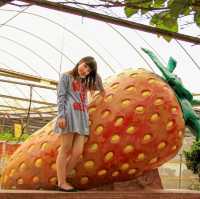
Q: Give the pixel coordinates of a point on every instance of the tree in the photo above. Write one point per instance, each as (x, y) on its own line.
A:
(163, 14)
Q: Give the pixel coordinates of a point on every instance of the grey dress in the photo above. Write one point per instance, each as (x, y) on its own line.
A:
(72, 105)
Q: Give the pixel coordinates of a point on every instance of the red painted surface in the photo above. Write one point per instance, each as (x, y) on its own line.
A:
(10, 148)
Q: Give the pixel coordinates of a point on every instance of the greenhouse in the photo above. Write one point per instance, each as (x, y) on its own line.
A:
(42, 40)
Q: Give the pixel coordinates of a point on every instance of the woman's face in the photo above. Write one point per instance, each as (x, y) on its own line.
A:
(83, 70)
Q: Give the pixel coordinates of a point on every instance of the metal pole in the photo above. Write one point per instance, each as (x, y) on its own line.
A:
(180, 171)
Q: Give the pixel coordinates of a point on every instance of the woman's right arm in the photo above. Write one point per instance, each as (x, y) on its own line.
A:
(61, 99)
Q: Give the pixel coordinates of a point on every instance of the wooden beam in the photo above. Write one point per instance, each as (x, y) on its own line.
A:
(12, 107)
(32, 121)
(35, 123)
(25, 109)
(28, 84)
(44, 107)
(31, 113)
(112, 20)
(18, 75)
(34, 128)
(196, 94)
(27, 100)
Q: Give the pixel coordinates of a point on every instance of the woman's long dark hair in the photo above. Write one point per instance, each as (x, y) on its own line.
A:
(89, 80)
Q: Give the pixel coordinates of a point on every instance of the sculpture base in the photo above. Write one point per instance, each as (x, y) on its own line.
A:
(165, 194)
(148, 181)
(146, 186)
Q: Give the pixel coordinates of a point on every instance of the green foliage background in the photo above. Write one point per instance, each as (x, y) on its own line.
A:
(9, 136)
(164, 14)
(192, 157)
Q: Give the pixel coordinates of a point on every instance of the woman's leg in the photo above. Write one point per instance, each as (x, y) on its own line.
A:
(77, 151)
(63, 158)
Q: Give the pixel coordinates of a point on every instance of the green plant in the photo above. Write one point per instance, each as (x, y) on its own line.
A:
(24, 136)
(5, 136)
(8, 136)
(192, 157)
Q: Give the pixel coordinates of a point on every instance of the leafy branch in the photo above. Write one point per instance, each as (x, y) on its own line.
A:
(164, 14)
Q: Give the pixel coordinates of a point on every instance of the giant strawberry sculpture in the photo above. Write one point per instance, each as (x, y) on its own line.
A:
(136, 127)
